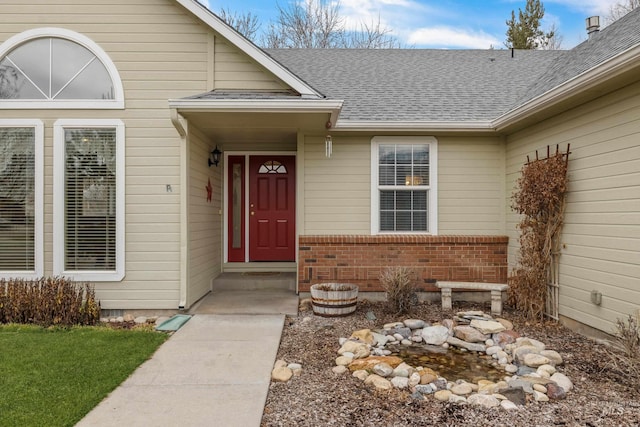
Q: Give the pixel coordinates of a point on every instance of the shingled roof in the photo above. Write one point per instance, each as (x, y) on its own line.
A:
(600, 47)
(418, 84)
(427, 85)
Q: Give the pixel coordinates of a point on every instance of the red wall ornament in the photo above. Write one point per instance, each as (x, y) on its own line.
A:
(209, 189)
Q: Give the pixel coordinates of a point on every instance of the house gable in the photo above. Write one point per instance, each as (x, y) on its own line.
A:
(235, 70)
(231, 38)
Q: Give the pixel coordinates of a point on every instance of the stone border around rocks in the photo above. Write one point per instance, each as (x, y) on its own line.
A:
(530, 368)
(139, 320)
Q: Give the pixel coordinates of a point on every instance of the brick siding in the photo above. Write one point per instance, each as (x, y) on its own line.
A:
(360, 259)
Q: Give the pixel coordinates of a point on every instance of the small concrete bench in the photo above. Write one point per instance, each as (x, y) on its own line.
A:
(495, 288)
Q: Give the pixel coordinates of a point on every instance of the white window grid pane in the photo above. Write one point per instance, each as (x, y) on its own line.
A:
(403, 169)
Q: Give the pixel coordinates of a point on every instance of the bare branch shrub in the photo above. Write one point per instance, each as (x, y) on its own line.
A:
(246, 24)
(540, 199)
(318, 24)
(400, 288)
(48, 301)
(627, 361)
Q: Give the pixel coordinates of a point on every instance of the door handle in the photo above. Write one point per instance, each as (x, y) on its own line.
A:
(252, 213)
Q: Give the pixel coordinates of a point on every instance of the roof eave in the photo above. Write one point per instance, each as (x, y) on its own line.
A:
(330, 106)
(615, 66)
(413, 126)
(205, 15)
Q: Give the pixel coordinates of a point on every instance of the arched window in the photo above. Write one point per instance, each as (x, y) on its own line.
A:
(272, 166)
(57, 68)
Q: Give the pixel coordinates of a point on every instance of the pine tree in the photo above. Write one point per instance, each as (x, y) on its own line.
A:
(525, 32)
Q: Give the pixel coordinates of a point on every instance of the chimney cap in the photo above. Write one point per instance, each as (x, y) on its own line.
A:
(593, 24)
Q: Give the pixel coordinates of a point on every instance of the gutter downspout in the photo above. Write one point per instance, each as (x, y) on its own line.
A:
(182, 126)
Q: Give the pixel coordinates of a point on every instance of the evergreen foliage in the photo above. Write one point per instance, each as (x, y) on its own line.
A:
(525, 32)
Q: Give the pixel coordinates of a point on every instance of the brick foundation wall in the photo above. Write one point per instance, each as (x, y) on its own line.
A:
(360, 259)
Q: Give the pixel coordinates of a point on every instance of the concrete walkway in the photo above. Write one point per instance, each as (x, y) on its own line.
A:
(214, 371)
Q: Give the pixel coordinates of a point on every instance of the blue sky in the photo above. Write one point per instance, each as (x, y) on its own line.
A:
(449, 24)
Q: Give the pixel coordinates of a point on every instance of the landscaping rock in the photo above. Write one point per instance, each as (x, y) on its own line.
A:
(400, 382)
(359, 350)
(555, 392)
(363, 335)
(483, 400)
(487, 326)
(383, 369)
(553, 356)
(442, 395)
(435, 335)
(368, 363)
(414, 323)
(508, 405)
(563, 381)
(378, 382)
(281, 374)
(427, 375)
(461, 389)
(339, 369)
(343, 360)
(535, 360)
(469, 334)
(361, 375)
(467, 345)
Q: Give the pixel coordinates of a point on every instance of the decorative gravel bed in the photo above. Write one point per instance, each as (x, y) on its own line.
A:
(317, 396)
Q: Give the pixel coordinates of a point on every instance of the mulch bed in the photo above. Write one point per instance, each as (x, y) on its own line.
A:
(318, 397)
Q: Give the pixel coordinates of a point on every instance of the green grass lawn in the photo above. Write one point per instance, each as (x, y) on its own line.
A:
(53, 377)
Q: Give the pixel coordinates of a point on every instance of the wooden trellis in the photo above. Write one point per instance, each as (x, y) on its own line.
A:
(548, 240)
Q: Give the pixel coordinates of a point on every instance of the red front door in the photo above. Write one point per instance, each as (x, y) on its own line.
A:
(272, 208)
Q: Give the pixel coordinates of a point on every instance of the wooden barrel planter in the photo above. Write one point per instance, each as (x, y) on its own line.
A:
(334, 299)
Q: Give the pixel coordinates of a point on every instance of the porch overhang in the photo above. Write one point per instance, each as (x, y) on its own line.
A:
(233, 120)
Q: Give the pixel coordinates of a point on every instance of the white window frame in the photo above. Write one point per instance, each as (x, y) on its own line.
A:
(432, 208)
(38, 202)
(59, 203)
(18, 39)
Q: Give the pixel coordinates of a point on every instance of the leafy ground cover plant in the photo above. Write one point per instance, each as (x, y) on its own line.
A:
(55, 376)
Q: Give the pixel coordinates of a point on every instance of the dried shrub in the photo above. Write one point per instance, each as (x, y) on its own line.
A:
(48, 301)
(540, 199)
(626, 360)
(400, 289)
(333, 287)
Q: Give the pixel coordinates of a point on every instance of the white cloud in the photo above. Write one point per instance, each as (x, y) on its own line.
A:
(393, 14)
(590, 7)
(452, 37)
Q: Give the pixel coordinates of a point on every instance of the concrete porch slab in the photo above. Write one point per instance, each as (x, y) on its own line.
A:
(269, 301)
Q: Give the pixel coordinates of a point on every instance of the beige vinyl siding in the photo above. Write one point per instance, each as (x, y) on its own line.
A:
(471, 186)
(601, 236)
(235, 70)
(205, 221)
(337, 196)
(160, 52)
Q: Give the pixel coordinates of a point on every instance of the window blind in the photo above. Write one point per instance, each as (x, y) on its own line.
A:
(17, 191)
(403, 183)
(90, 199)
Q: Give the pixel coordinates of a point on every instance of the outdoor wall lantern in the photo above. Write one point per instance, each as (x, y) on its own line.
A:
(214, 157)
